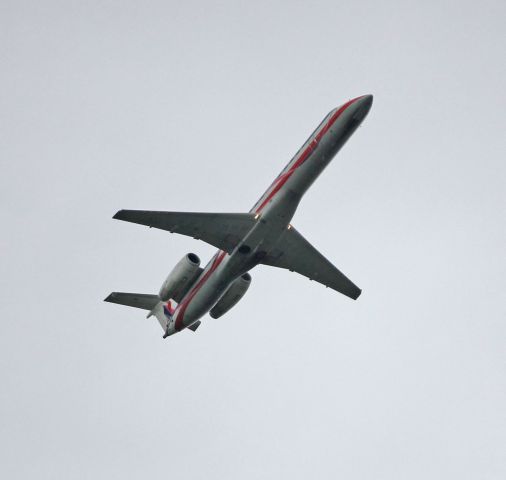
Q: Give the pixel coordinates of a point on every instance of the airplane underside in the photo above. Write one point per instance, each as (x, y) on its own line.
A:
(262, 236)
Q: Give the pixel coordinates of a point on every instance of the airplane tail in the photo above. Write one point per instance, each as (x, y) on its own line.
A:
(138, 300)
(161, 310)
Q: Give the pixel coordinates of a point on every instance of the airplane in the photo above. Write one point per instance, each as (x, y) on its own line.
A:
(262, 236)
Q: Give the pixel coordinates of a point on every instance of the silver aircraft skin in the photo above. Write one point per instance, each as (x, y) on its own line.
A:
(262, 236)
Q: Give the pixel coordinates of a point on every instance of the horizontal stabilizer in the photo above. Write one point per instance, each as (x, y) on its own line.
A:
(193, 327)
(296, 254)
(222, 230)
(137, 300)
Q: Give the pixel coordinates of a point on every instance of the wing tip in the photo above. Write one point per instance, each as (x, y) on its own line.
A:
(110, 297)
(356, 293)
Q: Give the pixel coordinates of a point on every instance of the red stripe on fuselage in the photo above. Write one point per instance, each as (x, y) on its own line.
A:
(186, 301)
(276, 186)
(283, 178)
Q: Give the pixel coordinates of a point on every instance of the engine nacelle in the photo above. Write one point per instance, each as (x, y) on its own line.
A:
(234, 293)
(181, 278)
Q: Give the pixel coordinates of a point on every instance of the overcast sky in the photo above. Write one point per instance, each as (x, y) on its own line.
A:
(197, 106)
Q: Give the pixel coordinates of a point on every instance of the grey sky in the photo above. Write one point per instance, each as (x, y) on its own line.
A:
(197, 106)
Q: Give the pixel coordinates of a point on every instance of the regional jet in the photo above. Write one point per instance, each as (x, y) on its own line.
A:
(262, 236)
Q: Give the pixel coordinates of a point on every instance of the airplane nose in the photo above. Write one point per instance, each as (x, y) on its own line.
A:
(365, 102)
(362, 106)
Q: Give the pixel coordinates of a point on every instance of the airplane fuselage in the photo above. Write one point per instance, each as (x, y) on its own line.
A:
(273, 213)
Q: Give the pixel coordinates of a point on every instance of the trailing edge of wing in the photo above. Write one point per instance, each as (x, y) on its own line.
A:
(295, 253)
(222, 230)
(137, 300)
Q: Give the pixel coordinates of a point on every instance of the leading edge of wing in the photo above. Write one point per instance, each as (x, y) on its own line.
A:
(222, 230)
(293, 252)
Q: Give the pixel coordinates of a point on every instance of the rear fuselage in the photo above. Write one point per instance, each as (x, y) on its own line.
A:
(273, 213)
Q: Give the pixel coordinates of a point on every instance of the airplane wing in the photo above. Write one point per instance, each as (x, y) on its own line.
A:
(296, 254)
(222, 230)
(137, 300)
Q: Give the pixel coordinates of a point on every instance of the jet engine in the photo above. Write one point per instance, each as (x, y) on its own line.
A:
(234, 293)
(181, 278)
